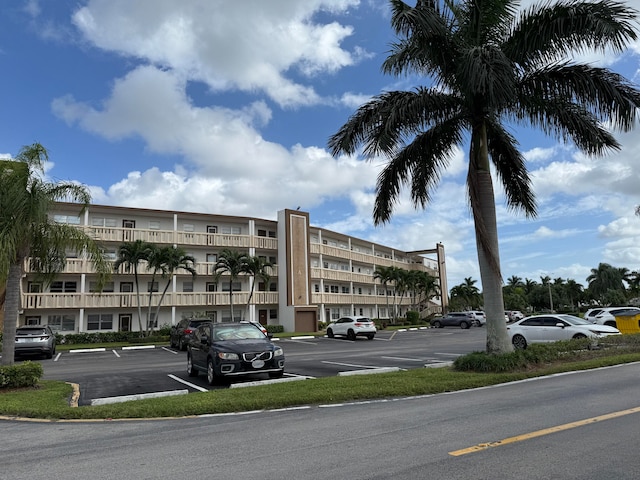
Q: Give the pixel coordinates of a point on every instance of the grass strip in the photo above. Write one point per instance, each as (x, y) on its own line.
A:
(50, 399)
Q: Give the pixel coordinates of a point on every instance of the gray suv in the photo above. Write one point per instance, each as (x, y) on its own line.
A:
(453, 319)
(35, 339)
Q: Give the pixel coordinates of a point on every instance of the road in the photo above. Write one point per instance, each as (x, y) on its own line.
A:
(105, 375)
(548, 428)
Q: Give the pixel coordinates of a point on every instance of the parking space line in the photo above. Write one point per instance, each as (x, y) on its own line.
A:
(116, 353)
(170, 350)
(349, 364)
(188, 384)
(405, 359)
(57, 357)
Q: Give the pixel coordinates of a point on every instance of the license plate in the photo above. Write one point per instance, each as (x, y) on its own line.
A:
(257, 364)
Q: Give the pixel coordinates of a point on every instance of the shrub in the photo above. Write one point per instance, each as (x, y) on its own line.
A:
(413, 317)
(26, 374)
(275, 328)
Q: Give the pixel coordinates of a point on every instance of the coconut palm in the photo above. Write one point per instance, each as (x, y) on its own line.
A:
(132, 255)
(167, 261)
(27, 231)
(490, 68)
(605, 278)
(234, 263)
(385, 275)
(258, 269)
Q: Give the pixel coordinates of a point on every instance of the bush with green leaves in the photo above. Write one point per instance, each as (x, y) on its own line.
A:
(26, 374)
(275, 329)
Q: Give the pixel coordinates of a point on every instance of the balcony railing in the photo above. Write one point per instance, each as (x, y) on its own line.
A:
(201, 239)
(349, 298)
(42, 301)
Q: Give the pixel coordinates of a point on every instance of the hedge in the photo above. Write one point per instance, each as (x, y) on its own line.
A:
(26, 374)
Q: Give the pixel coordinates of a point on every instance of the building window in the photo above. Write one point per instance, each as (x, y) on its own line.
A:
(152, 287)
(126, 287)
(103, 222)
(334, 289)
(154, 225)
(212, 229)
(273, 287)
(32, 320)
(34, 287)
(335, 313)
(68, 219)
(345, 289)
(62, 322)
(100, 321)
(316, 288)
(187, 287)
(212, 257)
(273, 314)
(211, 287)
(188, 227)
(230, 230)
(262, 233)
(63, 287)
(108, 287)
(237, 286)
(271, 234)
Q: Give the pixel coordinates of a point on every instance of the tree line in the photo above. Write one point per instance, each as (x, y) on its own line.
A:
(606, 285)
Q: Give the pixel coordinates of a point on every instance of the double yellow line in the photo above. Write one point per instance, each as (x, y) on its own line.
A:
(546, 431)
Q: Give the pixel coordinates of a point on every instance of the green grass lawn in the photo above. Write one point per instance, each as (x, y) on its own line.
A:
(51, 399)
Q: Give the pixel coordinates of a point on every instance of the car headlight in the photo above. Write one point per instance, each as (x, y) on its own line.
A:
(228, 356)
(278, 352)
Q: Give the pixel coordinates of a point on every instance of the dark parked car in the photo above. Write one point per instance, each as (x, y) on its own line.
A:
(181, 332)
(453, 319)
(35, 339)
(232, 349)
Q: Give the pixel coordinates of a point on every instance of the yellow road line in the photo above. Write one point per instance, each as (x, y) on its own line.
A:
(546, 431)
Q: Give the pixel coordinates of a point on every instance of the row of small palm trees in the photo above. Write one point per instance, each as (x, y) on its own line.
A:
(605, 285)
(420, 285)
(164, 261)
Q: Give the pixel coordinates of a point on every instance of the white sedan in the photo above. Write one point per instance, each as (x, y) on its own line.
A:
(552, 328)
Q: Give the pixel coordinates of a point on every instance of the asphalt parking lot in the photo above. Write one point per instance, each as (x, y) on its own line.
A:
(113, 375)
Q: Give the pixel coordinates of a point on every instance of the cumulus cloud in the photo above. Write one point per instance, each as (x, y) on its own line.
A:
(249, 45)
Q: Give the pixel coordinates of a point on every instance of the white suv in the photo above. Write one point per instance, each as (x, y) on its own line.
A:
(352, 326)
(607, 315)
(478, 316)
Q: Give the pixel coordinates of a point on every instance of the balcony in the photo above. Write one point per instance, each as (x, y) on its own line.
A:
(353, 299)
(51, 301)
(171, 237)
(341, 276)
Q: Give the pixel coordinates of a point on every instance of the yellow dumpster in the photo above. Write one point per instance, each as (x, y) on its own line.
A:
(628, 323)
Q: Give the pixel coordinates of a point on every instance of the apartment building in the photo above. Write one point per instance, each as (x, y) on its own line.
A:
(316, 274)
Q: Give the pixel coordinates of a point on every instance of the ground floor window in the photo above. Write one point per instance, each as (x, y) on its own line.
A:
(100, 321)
(62, 322)
(32, 321)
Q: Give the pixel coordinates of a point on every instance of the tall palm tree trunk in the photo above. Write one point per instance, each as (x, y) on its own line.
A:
(11, 309)
(484, 212)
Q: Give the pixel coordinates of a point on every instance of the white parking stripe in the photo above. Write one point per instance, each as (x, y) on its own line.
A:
(116, 353)
(188, 384)
(57, 357)
(405, 359)
(170, 350)
(349, 364)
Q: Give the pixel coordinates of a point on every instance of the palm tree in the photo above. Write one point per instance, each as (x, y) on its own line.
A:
(384, 275)
(131, 255)
(490, 68)
(26, 231)
(234, 263)
(167, 261)
(603, 279)
(257, 268)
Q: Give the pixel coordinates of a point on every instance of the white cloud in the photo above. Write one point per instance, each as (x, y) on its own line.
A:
(248, 45)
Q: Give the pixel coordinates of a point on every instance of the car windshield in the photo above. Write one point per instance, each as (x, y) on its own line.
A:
(31, 331)
(574, 320)
(237, 332)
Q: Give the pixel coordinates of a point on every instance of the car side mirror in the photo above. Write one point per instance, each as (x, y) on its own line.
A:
(559, 324)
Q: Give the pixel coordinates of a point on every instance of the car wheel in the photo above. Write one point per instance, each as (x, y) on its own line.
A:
(611, 324)
(578, 336)
(191, 371)
(437, 324)
(370, 336)
(49, 355)
(519, 342)
(277, 374)
(181, 345)
(171, 342)
(329, 333)
(211, 373)
(464, 325)
(351, 335)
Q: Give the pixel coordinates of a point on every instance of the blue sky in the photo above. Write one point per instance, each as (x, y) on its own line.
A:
(225, 106)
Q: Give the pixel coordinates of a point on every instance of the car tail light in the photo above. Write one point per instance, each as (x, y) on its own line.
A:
(187, 331)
